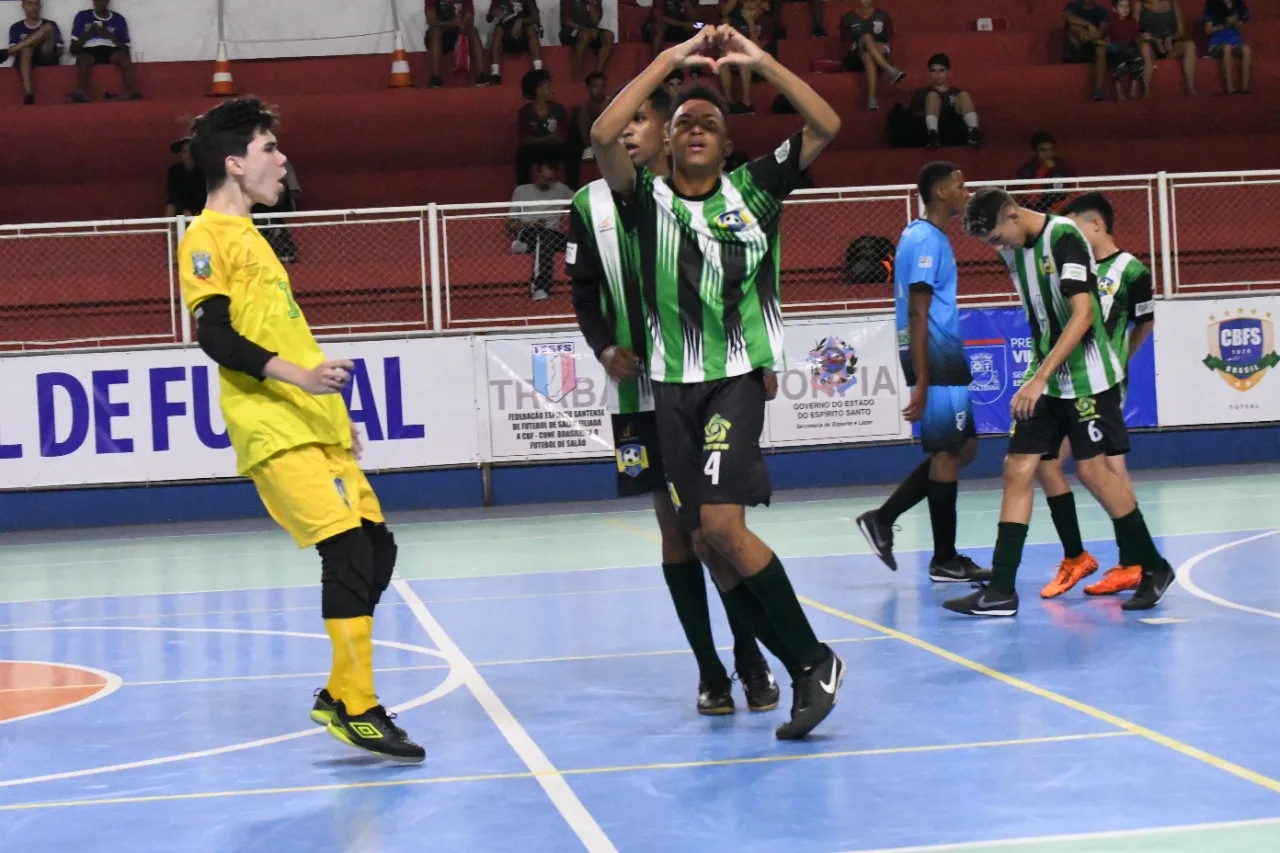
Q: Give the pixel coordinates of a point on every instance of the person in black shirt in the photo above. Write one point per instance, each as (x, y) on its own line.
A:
(865, 32)
(950, 117)
(669, 21)
(542, 126)
(186, 191)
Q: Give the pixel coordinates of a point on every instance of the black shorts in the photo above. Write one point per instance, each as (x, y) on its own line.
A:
(674, 33)
(1093, 425)
(710, 436)
(448, 39)
(638, 454)
(41, 57)
(515, 40)
(102, 53)
(853, 59)
(569, 38)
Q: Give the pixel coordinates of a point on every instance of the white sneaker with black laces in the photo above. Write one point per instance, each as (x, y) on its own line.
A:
(985, 601)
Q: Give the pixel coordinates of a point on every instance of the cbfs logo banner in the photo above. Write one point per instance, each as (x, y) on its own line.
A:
(997, 342)
(1215, 360)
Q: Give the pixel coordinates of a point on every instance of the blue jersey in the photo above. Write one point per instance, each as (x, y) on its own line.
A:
(924, 262)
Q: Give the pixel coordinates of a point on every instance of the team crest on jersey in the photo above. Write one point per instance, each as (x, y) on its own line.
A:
(1108, 284)
(833, 363)
(201, 265)
(1241, 348)
(554, 370)
(1046, 265)
(633, 459)
(734, 220)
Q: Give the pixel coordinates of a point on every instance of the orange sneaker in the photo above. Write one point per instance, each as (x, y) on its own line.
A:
(1119, 579)
(1070, 573)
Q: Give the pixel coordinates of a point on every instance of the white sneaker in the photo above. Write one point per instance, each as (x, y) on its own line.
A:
(588, 155)
(519, 247)
(538, 295)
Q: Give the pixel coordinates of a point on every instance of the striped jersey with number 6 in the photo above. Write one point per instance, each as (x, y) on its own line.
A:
(1060, 256)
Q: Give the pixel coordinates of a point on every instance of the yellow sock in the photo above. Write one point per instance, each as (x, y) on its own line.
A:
(353, 643)
(338, 673)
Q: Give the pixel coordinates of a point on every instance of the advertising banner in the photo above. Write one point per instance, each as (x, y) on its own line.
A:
(1214, 360)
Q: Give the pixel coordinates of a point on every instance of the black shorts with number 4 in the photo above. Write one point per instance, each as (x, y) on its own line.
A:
(1093, 425)
(638, 454)
(710, 436)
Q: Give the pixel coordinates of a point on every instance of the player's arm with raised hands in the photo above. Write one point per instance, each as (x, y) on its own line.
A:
(614, 162)
(1079, 284)
(205, 289)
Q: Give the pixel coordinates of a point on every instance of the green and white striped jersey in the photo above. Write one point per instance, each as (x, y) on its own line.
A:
(710, 269)
(603, 258)
(1125, 291)
(1047, 273)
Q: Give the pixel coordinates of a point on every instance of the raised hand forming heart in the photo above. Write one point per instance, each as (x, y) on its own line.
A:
(716, 47)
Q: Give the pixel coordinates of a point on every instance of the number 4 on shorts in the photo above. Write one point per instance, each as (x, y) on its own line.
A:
(712, 468)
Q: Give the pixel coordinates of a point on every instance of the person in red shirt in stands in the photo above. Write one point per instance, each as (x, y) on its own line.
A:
(515, 31)
(447, 22)
(581, 30)
(1046, 166)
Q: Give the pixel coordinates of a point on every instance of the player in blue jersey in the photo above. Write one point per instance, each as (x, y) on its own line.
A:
(934, 365)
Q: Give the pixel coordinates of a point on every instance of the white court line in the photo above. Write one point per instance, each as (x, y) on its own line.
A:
(451, 682)
(1184, 576)
(112, 683)
(530, 572)
(1081, 836)
(555, 786)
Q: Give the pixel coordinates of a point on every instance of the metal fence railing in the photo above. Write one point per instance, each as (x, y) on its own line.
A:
(476, 267)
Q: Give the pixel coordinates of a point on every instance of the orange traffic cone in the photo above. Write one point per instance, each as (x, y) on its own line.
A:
(222, 83)
(400, 77)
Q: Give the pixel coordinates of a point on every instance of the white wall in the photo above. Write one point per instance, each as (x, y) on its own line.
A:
(177, 30)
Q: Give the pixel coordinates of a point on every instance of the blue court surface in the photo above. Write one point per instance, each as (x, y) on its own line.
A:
(155, 684)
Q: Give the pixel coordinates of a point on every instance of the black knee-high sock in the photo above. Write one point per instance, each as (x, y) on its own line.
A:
(909, 493)
(741, 604)
(1063, 509)
(688, 586)
(1125, 557)
(1010, 537)
(942, 517)
(745, 649)
(1135, 542)
(772, 588)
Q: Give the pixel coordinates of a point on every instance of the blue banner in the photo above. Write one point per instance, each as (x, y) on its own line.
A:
(998, 343)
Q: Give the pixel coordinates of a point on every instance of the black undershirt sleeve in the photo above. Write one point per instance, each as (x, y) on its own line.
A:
(222, 343)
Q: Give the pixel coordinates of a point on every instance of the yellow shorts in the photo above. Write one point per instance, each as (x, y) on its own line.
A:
(315, 491)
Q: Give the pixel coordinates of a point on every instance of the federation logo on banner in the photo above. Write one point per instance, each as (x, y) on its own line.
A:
(832, 363)
(1241, 348)
(988, 365)
(554, 370)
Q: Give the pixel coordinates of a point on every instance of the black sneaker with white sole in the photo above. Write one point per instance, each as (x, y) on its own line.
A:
(957, 570)
(1150, 589)
(879, 536)
(985, 601)
(815, 691)
(759, 685)
(715, 698)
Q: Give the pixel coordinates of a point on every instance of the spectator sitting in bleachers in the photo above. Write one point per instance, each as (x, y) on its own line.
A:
(101, 37)
(585, 116)
(1164, 36)
(1088, 24)
(582, 31)
(674, 82)
(538, 230)
(185, 182)
(542, 126)
(865, 31)
(515, 31)
(1123, 56)
(1046, 166)
(447, 22)
(669, 21)
(33, 42)
(949, 115)
(752, 19)
(1222, 22)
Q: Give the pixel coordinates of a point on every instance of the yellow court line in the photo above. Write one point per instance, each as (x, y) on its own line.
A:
(635, 531)
(582, 771)
(1057, 698)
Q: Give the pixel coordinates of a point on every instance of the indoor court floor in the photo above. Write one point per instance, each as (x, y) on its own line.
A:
(155, 684)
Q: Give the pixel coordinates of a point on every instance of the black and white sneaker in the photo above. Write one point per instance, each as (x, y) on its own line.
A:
(815, 692)
(985, 602)
(879, 536)
(715, 699)
(759, 685)
(373, 731)
(957, 570)
(1150, 589)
